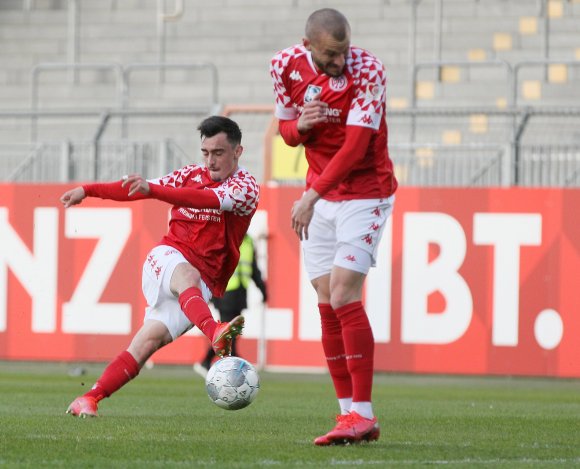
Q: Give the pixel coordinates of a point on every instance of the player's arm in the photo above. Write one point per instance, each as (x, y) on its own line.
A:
(289, 131)
(135, 187)
(296, 131)
(352, 152)
(185, 196)
(112, 190)
(179, 196)
(293, 128)
(237, 194)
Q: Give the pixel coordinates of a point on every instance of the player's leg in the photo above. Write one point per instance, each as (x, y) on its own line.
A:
(319, 252)
(226, 316)
(123, 368)
(333, 345)
(359, 228)
(186, 283)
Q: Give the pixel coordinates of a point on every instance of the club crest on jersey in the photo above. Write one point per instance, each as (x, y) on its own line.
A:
(337, 83)
(374, 91)
(311, 91)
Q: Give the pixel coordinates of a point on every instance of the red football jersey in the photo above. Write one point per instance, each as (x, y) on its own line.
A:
(210, 239)
(357, 98)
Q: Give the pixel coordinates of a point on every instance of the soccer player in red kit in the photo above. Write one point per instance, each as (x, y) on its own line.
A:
(213, 204)
(330, 97)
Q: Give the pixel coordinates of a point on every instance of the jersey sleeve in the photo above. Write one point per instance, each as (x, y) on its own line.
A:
(175, 178)
(284, 109)
(367, 106)
(239, 194)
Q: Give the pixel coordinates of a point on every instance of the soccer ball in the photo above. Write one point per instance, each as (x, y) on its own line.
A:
(232, 383)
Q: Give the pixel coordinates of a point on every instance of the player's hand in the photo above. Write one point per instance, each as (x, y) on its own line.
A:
(313, 113)
(73, 197)
(302, 212)
(136, 183)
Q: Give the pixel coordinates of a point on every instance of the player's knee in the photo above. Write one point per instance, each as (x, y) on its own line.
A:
(342, 296)
(322, 287)
(184, 276)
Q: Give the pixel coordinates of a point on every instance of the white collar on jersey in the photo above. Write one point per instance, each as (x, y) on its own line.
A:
(309, 57)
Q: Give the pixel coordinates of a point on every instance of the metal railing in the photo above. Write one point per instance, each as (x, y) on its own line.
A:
(122, 74)
(68, 161)
(162, 18)
(435, 164)
(518, 66)
(117, 70)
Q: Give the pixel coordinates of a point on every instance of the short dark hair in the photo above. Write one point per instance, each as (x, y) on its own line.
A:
(214, 125)
(327, 20)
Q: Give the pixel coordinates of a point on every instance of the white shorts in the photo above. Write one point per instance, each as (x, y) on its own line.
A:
(162, 305)
(346, 234)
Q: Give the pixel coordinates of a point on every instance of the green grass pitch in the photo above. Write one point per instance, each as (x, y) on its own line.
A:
(164, 419)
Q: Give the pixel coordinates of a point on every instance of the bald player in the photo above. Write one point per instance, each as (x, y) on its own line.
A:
(330, 97)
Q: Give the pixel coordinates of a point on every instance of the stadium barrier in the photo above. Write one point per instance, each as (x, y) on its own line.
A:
(468, 281)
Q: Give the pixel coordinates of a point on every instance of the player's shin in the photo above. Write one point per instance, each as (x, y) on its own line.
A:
(118, 373)
(359, 348)
(197, 311)
(332, 343)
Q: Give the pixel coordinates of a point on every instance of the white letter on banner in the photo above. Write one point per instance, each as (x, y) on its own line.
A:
(36, 270)
(421, 278)
(506, 232)
(378, 291)
(84, 314)
(309, 327)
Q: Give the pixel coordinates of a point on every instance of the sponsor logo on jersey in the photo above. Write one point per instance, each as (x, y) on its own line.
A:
(311, 91)
(338, 83)
(332, 112)
(295, 75)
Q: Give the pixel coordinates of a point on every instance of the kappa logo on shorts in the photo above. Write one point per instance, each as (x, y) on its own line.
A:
(350, 258)
(311, 91)
(153, 264)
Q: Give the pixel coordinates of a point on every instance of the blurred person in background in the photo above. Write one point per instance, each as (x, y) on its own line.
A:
(235, 299)
(212, 206)
(331, 98)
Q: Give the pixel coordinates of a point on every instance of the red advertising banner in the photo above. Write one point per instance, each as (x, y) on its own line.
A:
(468, 281)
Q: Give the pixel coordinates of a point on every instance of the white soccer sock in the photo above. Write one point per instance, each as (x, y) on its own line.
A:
(364, 409)
(345, 404)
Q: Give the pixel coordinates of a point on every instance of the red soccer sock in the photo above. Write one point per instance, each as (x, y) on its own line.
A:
(119, 372)
(359, 345)
(333, 346)
(197, 311)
